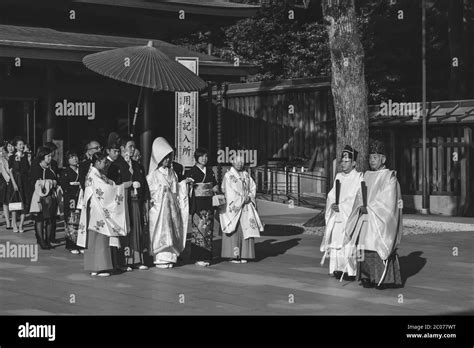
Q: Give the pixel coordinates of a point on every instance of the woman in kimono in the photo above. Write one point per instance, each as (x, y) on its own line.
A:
(239, 219)
(201, 209)
(19, 173)
(168, 215)
(103, 218)
(71, 187)
(44, 203)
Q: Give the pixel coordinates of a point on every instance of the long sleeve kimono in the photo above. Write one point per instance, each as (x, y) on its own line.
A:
(168, 217)
(237, 187)
(103, 209)
(377, 234)
(336, 221)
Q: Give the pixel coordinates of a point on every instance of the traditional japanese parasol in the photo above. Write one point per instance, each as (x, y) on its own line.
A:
(144, 66)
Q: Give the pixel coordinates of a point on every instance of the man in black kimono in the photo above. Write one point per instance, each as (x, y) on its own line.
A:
(123, 169)
(113, 151)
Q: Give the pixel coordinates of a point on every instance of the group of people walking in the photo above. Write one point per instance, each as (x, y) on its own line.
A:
(364, 221)
(122, 218)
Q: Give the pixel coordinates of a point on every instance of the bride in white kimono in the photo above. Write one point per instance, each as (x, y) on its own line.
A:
(103, 218)
(168, 215)
(239, 218)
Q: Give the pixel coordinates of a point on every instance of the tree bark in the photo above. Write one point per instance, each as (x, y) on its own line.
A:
(349, 88)
(457, 48)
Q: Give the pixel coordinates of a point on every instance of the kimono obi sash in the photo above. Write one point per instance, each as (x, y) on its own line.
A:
(203, 190)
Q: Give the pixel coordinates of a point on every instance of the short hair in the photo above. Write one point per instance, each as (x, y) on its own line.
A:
(98, 156)
(43, 151)
(71, 154)
(50, 145)
(125, 140)
(16, 140)
(200, 151)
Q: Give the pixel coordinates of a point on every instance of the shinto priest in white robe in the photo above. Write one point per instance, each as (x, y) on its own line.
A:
(237, 186)
(379, 231)
(168, 215)
(107, 209)
(333, 239)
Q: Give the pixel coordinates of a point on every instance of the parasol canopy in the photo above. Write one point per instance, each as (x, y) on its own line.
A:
(144, 66)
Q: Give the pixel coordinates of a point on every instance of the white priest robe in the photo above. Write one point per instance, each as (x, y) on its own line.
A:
(108, 208)
(237, 186)
(333, 239)
(168, 217)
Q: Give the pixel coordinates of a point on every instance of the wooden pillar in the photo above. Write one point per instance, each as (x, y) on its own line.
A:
(49, 117)
(146, 133)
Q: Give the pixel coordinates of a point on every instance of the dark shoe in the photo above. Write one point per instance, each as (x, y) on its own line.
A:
(366, 283)
(381, 287)
(348, 277)
(337, 274)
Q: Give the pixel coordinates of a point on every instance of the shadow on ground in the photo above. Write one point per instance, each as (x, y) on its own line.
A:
(282, 230)
(272, 248)
(411, 265)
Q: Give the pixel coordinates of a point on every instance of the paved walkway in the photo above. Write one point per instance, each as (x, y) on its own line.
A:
(287, 278)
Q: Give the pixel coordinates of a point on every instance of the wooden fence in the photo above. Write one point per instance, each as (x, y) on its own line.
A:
(291, 119)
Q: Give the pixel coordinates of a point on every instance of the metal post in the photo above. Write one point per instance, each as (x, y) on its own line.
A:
(219, 129)
(425, 197)
(299, 188)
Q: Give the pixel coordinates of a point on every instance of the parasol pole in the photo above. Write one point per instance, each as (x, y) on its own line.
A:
(136, 112)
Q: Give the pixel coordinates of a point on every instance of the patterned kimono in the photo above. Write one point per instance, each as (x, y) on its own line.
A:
(168, 215)
(103, 220)
(239, 220)
(202, 213)
(336, 221)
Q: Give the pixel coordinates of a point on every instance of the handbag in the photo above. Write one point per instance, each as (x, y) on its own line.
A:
(49, 203)
(218, 200)
(15, 206)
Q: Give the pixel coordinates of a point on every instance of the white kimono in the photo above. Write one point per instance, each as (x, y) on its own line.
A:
(336, 222)
(107, 209)
(168, 215)
(237, 186)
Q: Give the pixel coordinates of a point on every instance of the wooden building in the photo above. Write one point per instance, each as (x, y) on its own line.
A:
(41, 49)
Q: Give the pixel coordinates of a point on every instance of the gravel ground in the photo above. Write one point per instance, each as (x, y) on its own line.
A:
(410, 226)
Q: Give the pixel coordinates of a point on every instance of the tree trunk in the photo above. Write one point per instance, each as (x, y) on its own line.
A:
(349, 89)
(348, 85)
(457, 50)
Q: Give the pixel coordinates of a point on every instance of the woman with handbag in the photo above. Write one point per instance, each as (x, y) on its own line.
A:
(239, 219)
(201, 208)
(5, 190)
(19, 170)
(71, 187)
(44, 203)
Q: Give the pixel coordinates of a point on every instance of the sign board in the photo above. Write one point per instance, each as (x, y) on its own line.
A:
(186, 110)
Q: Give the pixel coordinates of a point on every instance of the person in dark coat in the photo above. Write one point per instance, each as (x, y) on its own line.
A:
(113, 151)
(124, 169)
(20, 167)
(44, 202)
(53, 148)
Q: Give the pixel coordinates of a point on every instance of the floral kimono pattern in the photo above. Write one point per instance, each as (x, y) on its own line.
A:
(107, 209)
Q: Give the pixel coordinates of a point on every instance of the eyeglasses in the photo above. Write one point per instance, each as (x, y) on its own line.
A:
(95, 148)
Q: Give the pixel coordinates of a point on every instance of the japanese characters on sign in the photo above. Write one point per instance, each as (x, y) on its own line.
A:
(187, 119)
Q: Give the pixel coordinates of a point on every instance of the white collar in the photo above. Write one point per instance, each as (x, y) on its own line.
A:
(202, 170)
